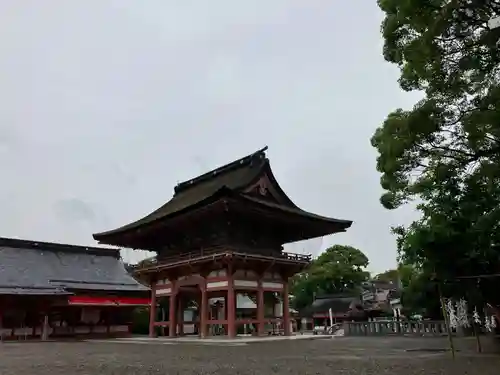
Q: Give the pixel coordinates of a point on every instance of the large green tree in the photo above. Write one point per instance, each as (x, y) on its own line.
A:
(339, 269)
(446, 150)
(445, 49)
(389, 276)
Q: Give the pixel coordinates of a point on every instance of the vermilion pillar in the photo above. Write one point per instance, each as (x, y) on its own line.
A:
(203, 312)
(231, 307)
(180, 316)
(260, 309)
(286, 309)
(152, 311)
(172, 314)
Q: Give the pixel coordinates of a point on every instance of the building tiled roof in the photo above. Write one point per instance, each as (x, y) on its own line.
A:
(187, 194)
(229, 180)
(338, 304)
(41, 268)
(28, 291)
(393, 294)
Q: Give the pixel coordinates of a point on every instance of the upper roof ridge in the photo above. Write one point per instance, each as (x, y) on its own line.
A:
(260, 154)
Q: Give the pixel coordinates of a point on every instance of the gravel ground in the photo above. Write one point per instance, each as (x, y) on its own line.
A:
(328, 356)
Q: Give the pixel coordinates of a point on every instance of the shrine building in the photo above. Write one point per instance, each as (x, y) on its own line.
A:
(220, 240)
(56, 290)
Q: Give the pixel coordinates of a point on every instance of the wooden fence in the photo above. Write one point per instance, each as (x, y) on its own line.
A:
(381, 328)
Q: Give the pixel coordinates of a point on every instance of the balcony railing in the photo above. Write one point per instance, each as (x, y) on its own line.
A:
(299, 257)
(220, 250)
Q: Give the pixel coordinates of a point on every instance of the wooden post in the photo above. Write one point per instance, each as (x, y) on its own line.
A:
(231, 305)
(478, 340)
(108, 325)
(286, 308)
(260, 309)
(203, 311)
(1, 322)
(45, 327)
(447, 321)
(180, 316)
(172, 314)
(152, 311)
(475, 331)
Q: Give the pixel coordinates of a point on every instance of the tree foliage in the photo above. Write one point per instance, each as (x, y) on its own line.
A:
(446, 150)
(339, 269)
(389, 276)
(446, 49)
(419, 294)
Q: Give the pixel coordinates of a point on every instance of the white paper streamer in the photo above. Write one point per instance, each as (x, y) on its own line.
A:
(475, 316)
(487, 323)
(452, 318)
(461, 314)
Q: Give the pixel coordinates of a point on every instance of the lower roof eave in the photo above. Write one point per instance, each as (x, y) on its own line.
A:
(339, 224)
(324, 225)
(115, 236)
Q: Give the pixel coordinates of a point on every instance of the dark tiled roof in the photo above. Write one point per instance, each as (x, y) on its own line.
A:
(393, 294)
(28, 267)
(298, 211)
(233, 179)
(25, 291)
(338, 304)
(236, 175)
(384, 284)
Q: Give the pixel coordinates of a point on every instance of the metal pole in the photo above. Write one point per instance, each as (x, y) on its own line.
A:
(474, 325)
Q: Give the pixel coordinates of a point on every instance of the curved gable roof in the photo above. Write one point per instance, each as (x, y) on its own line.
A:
(235, 178)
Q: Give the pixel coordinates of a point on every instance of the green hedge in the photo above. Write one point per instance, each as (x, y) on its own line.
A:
(140, 321)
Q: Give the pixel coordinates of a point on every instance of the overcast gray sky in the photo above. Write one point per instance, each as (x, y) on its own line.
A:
(106, 105)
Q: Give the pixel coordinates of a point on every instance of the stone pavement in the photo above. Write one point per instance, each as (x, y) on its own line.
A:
(346, 356)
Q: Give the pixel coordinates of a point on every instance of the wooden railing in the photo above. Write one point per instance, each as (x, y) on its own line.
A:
(299, 257)
(191, 255)
(384, 328)
(220, 250)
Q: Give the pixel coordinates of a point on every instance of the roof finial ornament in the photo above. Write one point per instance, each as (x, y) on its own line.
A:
(262, 187)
